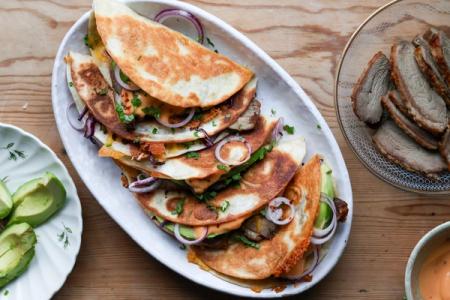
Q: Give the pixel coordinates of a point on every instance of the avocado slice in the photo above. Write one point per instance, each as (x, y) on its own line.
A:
(37, 200)
(6, 203)
(16, 251)
(327, 187)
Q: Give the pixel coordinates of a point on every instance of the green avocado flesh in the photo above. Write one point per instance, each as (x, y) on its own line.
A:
(327, 187)
(185, 231)
(5, 201)
(37, 200)
(16, 251)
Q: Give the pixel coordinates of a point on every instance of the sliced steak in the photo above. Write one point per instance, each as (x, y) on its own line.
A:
(440, 49)
(396, 146)
(430, 69)
(371, 86)
(422, 137)
(444, 147)
(249, 118)
(423, 104)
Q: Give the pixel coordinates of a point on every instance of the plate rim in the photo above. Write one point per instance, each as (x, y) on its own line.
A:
(338, 114)
(56, 159)
(294, 86)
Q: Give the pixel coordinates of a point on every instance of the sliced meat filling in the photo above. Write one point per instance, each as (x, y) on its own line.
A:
(371, 86)
(440, 49)
(424, 138)
(423, 104)
(398, 147)
(248, 119)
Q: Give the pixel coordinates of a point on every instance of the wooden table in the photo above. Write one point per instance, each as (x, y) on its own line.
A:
(306, 38)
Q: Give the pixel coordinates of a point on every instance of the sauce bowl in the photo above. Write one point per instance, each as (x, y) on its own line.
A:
(434, 238)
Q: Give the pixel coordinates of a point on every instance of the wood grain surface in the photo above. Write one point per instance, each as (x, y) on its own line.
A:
(306, 38)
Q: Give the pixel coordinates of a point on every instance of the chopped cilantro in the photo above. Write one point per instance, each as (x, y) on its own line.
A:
(207, 196)
(71, 84)
(172, 130)
(6, 292)
(124, 77)
(188, 145)
(246, 241)
(193, 155)
(319, 127)
(273, 112)
(222, 167)
(155, 130)
(224, 206)
(214, 124)
(196, 133)
(183, 247)
(236, 177)
(152, 111)
(124, 118)
(289, 129)
(179, 208)
(136, 102)
(86, 41)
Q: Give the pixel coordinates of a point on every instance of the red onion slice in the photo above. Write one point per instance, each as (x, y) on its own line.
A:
(310, 269)
(278, 131)
(179, 124)
(226, 141)
(322, 239)
(145, 185)
(79, 125)
(174, 12)
(123, 84)
(319, 233)
(181, 239)
(89, 127)
(274, 214)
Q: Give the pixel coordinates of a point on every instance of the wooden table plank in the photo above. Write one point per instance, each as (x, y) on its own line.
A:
(306, 38)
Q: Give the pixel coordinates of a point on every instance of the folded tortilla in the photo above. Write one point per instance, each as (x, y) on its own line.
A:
(94, 90)
(166, 64)
(205, 165)
(276, 256)
(261, 183)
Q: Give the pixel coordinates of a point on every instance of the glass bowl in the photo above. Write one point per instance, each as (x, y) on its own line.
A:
(397, 20)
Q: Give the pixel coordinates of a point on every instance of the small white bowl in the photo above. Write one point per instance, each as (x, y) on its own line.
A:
(427, 243)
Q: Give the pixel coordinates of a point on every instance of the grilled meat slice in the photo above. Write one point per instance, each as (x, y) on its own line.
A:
(341, 209)
(258, 228)
(423, 104)
(373, 83)
(248, 119)
(444, 147)
(440, 49)
(396, 146)
(429, 68)
(422, 137)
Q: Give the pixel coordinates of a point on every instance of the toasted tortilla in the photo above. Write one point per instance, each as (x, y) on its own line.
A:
(166, 64)
(261, 183)
(276, 256)
(227, 114)
(95, 92)
(205, 165)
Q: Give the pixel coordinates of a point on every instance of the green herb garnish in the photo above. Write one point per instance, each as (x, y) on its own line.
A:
(224, 206)
(136, 102)
(123, 117)
(289, 129)
(179, 208)
(207, 196)
(273, 112)
(246, 241)
(124, 77)
(194, 155)
(222, 167)
(319, 127)
(210, 42)
(152, 111)
(86, 41)
(188, 145)
(155, 130)
(71, 84)
(198, 115)
(214, 124)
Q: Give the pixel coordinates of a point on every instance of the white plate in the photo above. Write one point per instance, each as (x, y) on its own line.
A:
(27, 158)
(276, 89)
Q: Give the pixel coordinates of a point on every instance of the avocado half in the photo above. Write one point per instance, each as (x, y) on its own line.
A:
(327, 187)
(37, 200)
(16, 251)
(6, 203)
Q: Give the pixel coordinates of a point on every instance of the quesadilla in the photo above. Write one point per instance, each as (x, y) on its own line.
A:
(286, 248)
(164, 63)
(260, 184)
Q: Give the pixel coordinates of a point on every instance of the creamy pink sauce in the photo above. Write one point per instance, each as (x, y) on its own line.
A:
(434, 276)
